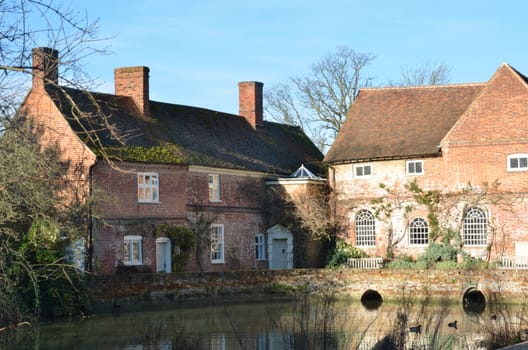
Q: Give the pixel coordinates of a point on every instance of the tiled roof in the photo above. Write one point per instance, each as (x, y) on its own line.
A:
(407, 122)
(189, 135)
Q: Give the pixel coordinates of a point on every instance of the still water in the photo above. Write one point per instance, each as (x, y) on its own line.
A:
(305, 324)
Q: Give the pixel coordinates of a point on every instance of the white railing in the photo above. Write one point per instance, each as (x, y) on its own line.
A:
(513, 262)
(365, 263)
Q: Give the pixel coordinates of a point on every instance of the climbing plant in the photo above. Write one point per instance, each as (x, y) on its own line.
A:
(183, 240)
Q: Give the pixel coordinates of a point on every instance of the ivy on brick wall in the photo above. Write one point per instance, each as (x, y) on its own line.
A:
(183, 241)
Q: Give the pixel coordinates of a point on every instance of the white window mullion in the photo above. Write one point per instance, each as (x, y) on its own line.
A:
(517, 162)
(148, 187)
(217, 243)
(133, 250)
(214, 187)
(414, 167)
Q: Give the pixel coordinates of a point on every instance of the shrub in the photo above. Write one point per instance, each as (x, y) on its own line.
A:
(183, 241)
(471, 263)
(342, 252)
(403, 262)
(438, 252)
(446, 265)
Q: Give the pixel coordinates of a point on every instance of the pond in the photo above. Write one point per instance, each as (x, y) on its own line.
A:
(306, 323)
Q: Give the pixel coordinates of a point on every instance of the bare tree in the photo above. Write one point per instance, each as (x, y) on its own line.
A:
(39, 213)
(26, 24)
(427, 73)
(319, 102)
(391, 204)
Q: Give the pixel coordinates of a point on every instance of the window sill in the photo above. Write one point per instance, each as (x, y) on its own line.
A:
(217, 262)
(148, 202)
(215, 201)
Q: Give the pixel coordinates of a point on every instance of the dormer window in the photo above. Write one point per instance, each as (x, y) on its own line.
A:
(518, 162)
(362, 170)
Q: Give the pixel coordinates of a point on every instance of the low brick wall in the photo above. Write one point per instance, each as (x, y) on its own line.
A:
(390, 284)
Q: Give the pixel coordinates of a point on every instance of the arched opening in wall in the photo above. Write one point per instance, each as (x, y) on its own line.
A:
(371, 299)
(474, 301)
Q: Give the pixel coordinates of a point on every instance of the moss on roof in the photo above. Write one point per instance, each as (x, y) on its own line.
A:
(188, 135)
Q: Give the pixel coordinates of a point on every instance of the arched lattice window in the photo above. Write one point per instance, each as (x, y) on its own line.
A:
(475, 227)
(365, 228)
(418, 232)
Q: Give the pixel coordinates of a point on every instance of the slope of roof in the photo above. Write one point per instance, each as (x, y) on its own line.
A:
(390, 123)
(185, 135)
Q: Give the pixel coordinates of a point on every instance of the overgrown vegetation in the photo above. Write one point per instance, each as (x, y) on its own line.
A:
(313, 321)
(39, 218)
(502, 326)
(445, 223)
(166, 153)
(342, 252)
(183, 241)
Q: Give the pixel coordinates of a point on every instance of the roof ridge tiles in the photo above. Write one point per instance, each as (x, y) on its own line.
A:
(424, 86)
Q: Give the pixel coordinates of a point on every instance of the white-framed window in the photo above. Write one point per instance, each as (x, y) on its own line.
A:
(260, 251)
(148, 187)
(133, 250)
(414, 167)
(214, 188)
(518, 162)
(475, 227)
(362, 170)
(217, 243)
(418, 232)
(365, 226)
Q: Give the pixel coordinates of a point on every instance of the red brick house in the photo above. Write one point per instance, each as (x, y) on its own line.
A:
(466, 142)
(179, 165)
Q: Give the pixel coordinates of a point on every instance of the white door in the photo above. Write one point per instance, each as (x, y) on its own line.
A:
(280, 247)
(280, 253)
(163, 255)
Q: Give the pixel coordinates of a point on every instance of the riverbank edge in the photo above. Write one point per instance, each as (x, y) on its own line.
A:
(137, 291)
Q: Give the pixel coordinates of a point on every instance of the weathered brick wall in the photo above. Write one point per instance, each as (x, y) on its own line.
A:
(474, 152)
(390, 284)
(118, 191)
(183, 200)
(55, 132)
(240, 209)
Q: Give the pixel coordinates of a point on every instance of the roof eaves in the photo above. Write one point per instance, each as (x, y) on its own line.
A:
(378, 159)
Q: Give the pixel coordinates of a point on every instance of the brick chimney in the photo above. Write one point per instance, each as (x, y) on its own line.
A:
(134, 82)
(45, 67)
(250, 102)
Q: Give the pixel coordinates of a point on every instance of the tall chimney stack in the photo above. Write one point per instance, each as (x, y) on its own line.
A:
(134, 82)
(45, 68)
(250, 102)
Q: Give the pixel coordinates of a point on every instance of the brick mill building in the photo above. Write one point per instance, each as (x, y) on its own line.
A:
(153, 163)
(467, 142)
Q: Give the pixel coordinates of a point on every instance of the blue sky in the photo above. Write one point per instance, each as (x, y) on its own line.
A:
(198, 50)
